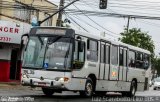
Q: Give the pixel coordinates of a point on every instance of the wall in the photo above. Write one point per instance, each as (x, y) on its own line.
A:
(0, 8)
(5, 53)
(17, 15)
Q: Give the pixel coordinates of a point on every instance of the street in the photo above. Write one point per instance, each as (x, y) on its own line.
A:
(36, 95)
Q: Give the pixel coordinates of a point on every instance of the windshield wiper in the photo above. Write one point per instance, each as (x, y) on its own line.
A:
(54, 40)
(40, 40)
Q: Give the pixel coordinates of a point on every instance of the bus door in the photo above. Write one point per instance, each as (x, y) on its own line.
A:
(114, 67)
(125, 63)
(107, 61)
(122, 63)
(102, 61)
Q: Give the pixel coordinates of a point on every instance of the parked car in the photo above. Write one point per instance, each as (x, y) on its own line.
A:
(156, 84)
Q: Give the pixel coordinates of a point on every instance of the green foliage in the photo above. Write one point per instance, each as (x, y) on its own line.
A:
(157, 65)
(138, 38)
(141, 39)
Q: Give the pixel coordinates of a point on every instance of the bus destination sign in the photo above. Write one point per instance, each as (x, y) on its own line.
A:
(51, 31)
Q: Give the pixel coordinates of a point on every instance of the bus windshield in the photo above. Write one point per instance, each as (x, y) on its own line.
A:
(48, 52)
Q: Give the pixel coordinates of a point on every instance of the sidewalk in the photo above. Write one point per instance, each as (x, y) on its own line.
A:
(15, 86)
(12, 85)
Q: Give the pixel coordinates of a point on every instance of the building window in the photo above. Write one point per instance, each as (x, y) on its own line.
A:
(132, 56)
(114, 57)
(21, 12)
(92, 50)
(49, 21)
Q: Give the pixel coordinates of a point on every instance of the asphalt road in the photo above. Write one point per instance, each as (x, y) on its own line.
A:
(36, 95)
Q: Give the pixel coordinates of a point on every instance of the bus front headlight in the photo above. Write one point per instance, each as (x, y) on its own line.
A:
(25, 76)
(62, 79)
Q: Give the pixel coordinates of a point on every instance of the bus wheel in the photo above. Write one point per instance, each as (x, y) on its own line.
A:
(88, 89)
(133, 89)
(48, 92)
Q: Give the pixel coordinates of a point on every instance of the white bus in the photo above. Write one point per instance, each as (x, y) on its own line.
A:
(61, 59)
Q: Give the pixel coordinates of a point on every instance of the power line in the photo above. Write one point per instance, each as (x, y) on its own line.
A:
(78, 18)
(103, 14)
(76, 23)
(94, 21)
(133, 12)
(136, 1)
(149, 23)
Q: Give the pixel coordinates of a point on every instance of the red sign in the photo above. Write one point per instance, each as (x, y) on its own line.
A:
(9, 30)
(5, 39)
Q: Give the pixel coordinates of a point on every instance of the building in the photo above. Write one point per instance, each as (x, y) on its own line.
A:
(16, 17)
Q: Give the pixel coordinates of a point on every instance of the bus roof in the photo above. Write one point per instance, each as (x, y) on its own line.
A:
(99, 37)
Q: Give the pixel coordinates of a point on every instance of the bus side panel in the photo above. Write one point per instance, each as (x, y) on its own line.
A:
(101, 73)
(121, 73)
(76, 84)
(88, 68)
(106, 72)
(139, 74)
(140, 86)
(105, 85)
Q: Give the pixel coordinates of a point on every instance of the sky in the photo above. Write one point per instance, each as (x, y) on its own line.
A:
(112, 26)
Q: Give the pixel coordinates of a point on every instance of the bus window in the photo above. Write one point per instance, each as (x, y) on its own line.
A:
(58, 53)
(34, 55)
(146, 61)
(121, 57)
(92, 50)
(79, 55)
(132, 56)
(102, 53)
(107, 54)
(114, 57)
(139, 60)
(125, 58)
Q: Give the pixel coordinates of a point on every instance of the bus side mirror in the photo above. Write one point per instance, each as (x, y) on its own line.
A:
(80, 46)
(24, 40)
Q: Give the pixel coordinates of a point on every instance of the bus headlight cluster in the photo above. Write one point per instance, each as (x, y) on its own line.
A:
(25, 76)
(62, 79)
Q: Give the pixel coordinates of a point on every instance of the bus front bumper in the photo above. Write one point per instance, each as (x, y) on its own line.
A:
(37, 82)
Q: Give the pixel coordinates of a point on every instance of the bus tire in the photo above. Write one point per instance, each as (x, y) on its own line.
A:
(133, 89)
(48, 92)
(88, 92)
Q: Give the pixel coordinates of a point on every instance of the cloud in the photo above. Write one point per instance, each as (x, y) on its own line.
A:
(113, 27)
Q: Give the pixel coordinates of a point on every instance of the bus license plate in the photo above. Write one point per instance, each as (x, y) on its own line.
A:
(41, 83)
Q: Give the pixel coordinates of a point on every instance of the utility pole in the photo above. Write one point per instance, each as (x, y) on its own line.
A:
(128, 23)
(59, 20)
(40, 22)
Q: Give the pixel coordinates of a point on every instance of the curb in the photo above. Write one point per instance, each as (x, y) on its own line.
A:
(16, 86)
(10, 85)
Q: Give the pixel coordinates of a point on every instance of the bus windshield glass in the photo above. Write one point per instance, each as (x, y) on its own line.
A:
(48, 52)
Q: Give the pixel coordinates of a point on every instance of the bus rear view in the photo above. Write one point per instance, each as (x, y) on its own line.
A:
(47, 59)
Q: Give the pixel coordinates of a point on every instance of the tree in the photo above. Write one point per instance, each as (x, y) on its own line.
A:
(156, 65)
(141, 39)
(138, 38)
